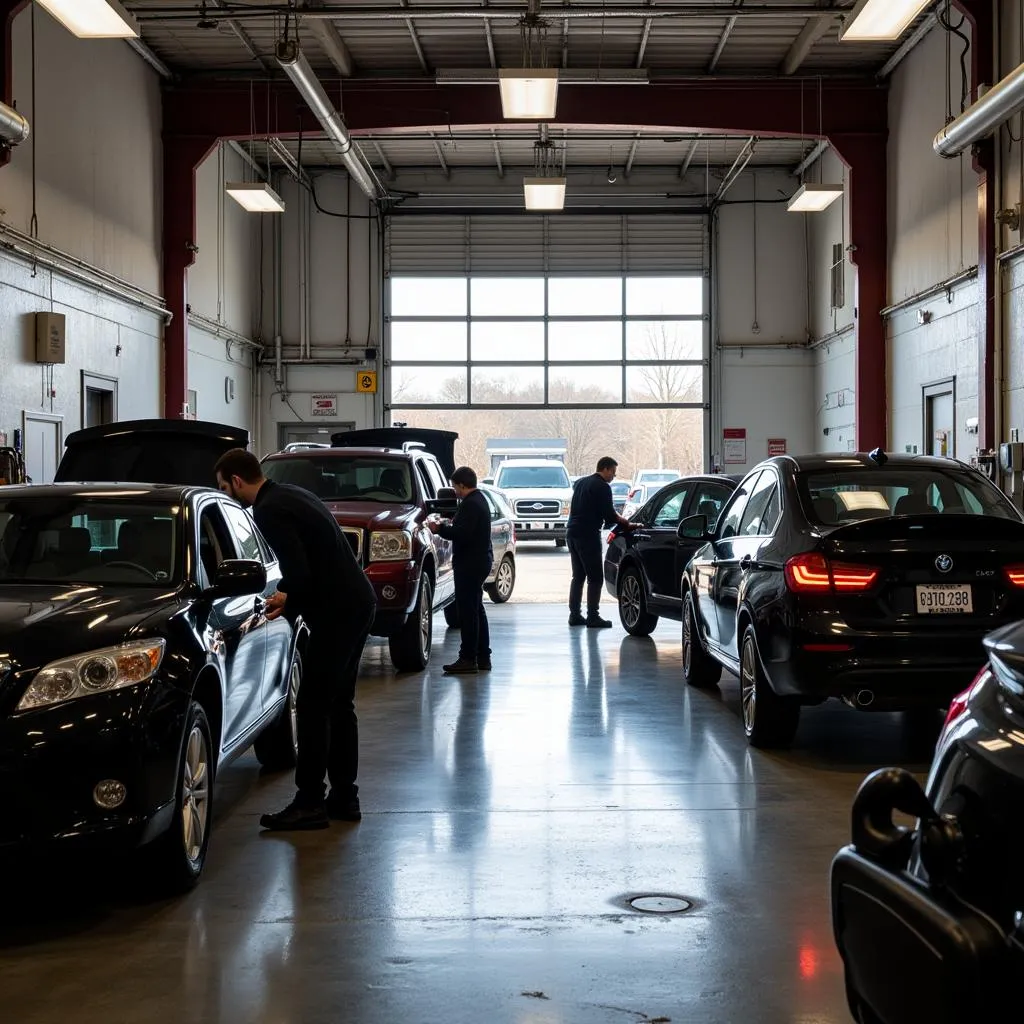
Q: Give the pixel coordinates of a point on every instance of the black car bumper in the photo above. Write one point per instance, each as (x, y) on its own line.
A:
(52, 759)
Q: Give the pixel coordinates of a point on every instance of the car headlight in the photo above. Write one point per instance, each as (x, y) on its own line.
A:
(390, 546)
(565, 508)
(111, 668)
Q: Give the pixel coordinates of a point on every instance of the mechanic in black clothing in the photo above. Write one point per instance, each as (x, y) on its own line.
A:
(322, 582)
(472, 558)
(592, 507)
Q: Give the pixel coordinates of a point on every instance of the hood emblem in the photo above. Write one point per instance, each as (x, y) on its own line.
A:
(944, 563)
(538, 505)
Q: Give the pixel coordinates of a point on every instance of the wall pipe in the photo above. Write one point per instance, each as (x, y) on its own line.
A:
(980, 119)
(14, 128)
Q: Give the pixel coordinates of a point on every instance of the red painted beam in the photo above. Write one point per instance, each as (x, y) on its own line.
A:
(9, 9)
(865, 155)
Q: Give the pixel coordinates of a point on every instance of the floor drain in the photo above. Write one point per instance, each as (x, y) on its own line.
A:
(660, 904)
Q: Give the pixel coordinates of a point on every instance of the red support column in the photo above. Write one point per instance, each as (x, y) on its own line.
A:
(181, 158)
(8, 11)
(865, 156)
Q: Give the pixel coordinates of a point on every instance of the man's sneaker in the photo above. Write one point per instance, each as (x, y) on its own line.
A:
(575, 619)
(596, 622)
(296, 818)
(462, 667)
(484, 664)
(344, 810)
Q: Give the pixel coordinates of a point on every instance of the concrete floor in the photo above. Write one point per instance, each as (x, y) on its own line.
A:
(508, 820)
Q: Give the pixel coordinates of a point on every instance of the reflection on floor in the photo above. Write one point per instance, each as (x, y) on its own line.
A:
(509, 819)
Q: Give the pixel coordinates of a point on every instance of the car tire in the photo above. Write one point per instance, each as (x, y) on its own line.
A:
(504, 581)
(451, 615)
(633, 614)
(178, 856)
(277, 747)
(560, 542)
(699, 668)
(410, 646)
(768, 720)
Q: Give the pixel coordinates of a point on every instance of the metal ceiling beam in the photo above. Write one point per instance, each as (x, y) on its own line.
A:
(440, 156)
(565, 42)
(240, 33)
(632, 155)
(720, 48)
(414, 35)
(149, 57)
(289, 162)
(385, 163)
(809, 35)
(642, 52)
(689, 157)
(739, 165)
(490, 43)
(565, 149)
(911, 43)
(249, 160)
(811, 159)
(497, 153)
(334, 46)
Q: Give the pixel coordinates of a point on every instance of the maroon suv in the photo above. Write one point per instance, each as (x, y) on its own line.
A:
(382, 485)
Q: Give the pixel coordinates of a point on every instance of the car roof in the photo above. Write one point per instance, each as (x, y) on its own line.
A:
(134, 491)
(852, 460)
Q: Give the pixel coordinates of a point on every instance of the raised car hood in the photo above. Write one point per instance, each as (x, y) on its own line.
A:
(372, 515)
(440, 443)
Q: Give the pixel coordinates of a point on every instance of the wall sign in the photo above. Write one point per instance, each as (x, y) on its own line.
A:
(324, 406)
(366, 382)
(734, 446)
(776, 446)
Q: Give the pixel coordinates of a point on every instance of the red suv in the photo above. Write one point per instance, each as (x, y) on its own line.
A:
(382, 485)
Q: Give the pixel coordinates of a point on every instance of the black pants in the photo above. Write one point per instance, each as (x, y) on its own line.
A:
(469, 599)
(585, 556)
(325, 708)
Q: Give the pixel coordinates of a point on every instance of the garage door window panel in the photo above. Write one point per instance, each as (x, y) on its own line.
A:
(507, 385)
(429, 296)
(585, 385)
(506, 296)
(502, 340)
(585, 296)
(665, 384)
(572, 340)
(434, 385)
(664, 340)
(665, 296)
(429, 341)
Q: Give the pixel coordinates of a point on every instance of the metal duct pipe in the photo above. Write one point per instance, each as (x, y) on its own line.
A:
(14, 129)
(999, 104)
(296, 67)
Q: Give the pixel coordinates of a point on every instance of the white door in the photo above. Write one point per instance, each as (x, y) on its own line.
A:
(44, 437)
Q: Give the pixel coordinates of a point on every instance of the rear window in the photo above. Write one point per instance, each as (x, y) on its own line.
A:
(337, 478)
(851, 495)
(528, 477)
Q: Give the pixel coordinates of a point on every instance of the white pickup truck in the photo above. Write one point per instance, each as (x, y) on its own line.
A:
(539, 492)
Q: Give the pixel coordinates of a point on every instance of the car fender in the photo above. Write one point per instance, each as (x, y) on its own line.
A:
(630, 560)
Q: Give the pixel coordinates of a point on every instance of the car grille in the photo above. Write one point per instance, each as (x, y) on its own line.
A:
(354, 537)
(529, 508)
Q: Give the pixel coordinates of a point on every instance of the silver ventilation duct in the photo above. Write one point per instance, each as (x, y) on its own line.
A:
(14, 129)
(999, 104)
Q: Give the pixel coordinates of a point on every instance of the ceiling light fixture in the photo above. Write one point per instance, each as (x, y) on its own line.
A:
(814, 198)
(544, 193)
(879, 21)
(255, 196)
(93, 19)
(528, 93)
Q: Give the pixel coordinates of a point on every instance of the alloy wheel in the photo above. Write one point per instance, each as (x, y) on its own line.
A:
(503, 584)
(629, 600)
(195, 794)
(748, 686)
(293, 702)
(687, 641)
(426, 612)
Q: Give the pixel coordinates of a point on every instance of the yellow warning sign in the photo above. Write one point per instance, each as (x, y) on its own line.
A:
(366, 382)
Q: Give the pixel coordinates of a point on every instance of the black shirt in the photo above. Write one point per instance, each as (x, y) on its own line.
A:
(319, 570)
(592, 506)
(470, 532)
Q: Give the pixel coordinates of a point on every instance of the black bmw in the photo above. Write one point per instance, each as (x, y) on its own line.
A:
(871, 578)
(135, 660)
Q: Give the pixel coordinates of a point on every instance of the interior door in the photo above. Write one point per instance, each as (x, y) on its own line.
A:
(43, 440)
(939, 413)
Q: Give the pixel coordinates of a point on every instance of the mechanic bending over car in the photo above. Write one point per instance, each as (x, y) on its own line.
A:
(321, 581)
(592, 507)
(472, 558)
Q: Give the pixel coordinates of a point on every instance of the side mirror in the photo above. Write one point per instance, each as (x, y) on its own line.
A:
(489, 480)
(445, 504)
(237, 577)
(694, 528)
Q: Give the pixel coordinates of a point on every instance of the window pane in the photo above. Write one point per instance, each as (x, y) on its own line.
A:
(595, 385)
(585, 296)
(664, 383)
(435, 384)
(664, 339)
(428, 296)
(428, 342)
(502, 340)
(571, 340)
(653, 296)
(507, 296)
(508, 384)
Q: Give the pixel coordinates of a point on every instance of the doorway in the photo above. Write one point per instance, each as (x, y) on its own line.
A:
(939, 402)
(310, 433)
(99, 400)
(44, 440)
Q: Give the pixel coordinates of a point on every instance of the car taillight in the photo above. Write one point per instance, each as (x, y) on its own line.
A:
(812, 573)
(958, 706)
(1014, 575)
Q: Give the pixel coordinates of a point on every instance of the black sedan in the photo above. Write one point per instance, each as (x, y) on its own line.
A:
(870, 578)
(135, 661)
(928, 919)
(643, 566)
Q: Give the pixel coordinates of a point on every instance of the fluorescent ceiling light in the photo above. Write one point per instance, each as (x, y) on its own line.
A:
(814, 198)
(93, 19)
(880, 21)
(255, 196)
(528, 93)
(544, 193)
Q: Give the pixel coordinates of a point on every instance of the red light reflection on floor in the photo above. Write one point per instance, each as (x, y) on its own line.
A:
(809, 962)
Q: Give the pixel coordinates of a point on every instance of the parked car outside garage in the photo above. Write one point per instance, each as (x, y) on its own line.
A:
(871, 578)
(620, 493)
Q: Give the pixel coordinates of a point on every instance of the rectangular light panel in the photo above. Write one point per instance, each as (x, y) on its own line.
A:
(879, 21)
(544, 193)
(93, 19)
(528, 93)
(814, 198)
(255, 196)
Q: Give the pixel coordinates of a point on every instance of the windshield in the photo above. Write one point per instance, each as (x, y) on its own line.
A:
(73, 540)
(344, 478)
(851, 495)
(620, 490)
(532, 477)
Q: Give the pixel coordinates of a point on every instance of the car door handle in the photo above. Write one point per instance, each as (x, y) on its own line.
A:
(746, 563)
(259, 606)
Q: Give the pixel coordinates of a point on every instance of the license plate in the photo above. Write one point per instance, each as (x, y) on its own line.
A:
(945, 599)
(538, 526)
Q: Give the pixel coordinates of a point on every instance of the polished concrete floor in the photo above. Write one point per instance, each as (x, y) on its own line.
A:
(509, 819)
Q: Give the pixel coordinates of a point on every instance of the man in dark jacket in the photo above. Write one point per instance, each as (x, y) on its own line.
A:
(322, 582)
(472, 558)
(592, 507)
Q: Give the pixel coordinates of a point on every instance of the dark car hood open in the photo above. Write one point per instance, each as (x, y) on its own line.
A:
(149, 451)
(440, 443)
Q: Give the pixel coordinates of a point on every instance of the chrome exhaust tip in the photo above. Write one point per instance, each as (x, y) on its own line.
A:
(865, 698)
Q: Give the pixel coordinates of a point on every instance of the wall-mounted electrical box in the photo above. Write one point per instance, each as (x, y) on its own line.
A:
(229, 389)
(1011, 456)
(50, 329)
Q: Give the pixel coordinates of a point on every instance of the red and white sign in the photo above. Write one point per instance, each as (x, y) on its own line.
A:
(734, 446)
(776, 446)
(325, 406)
